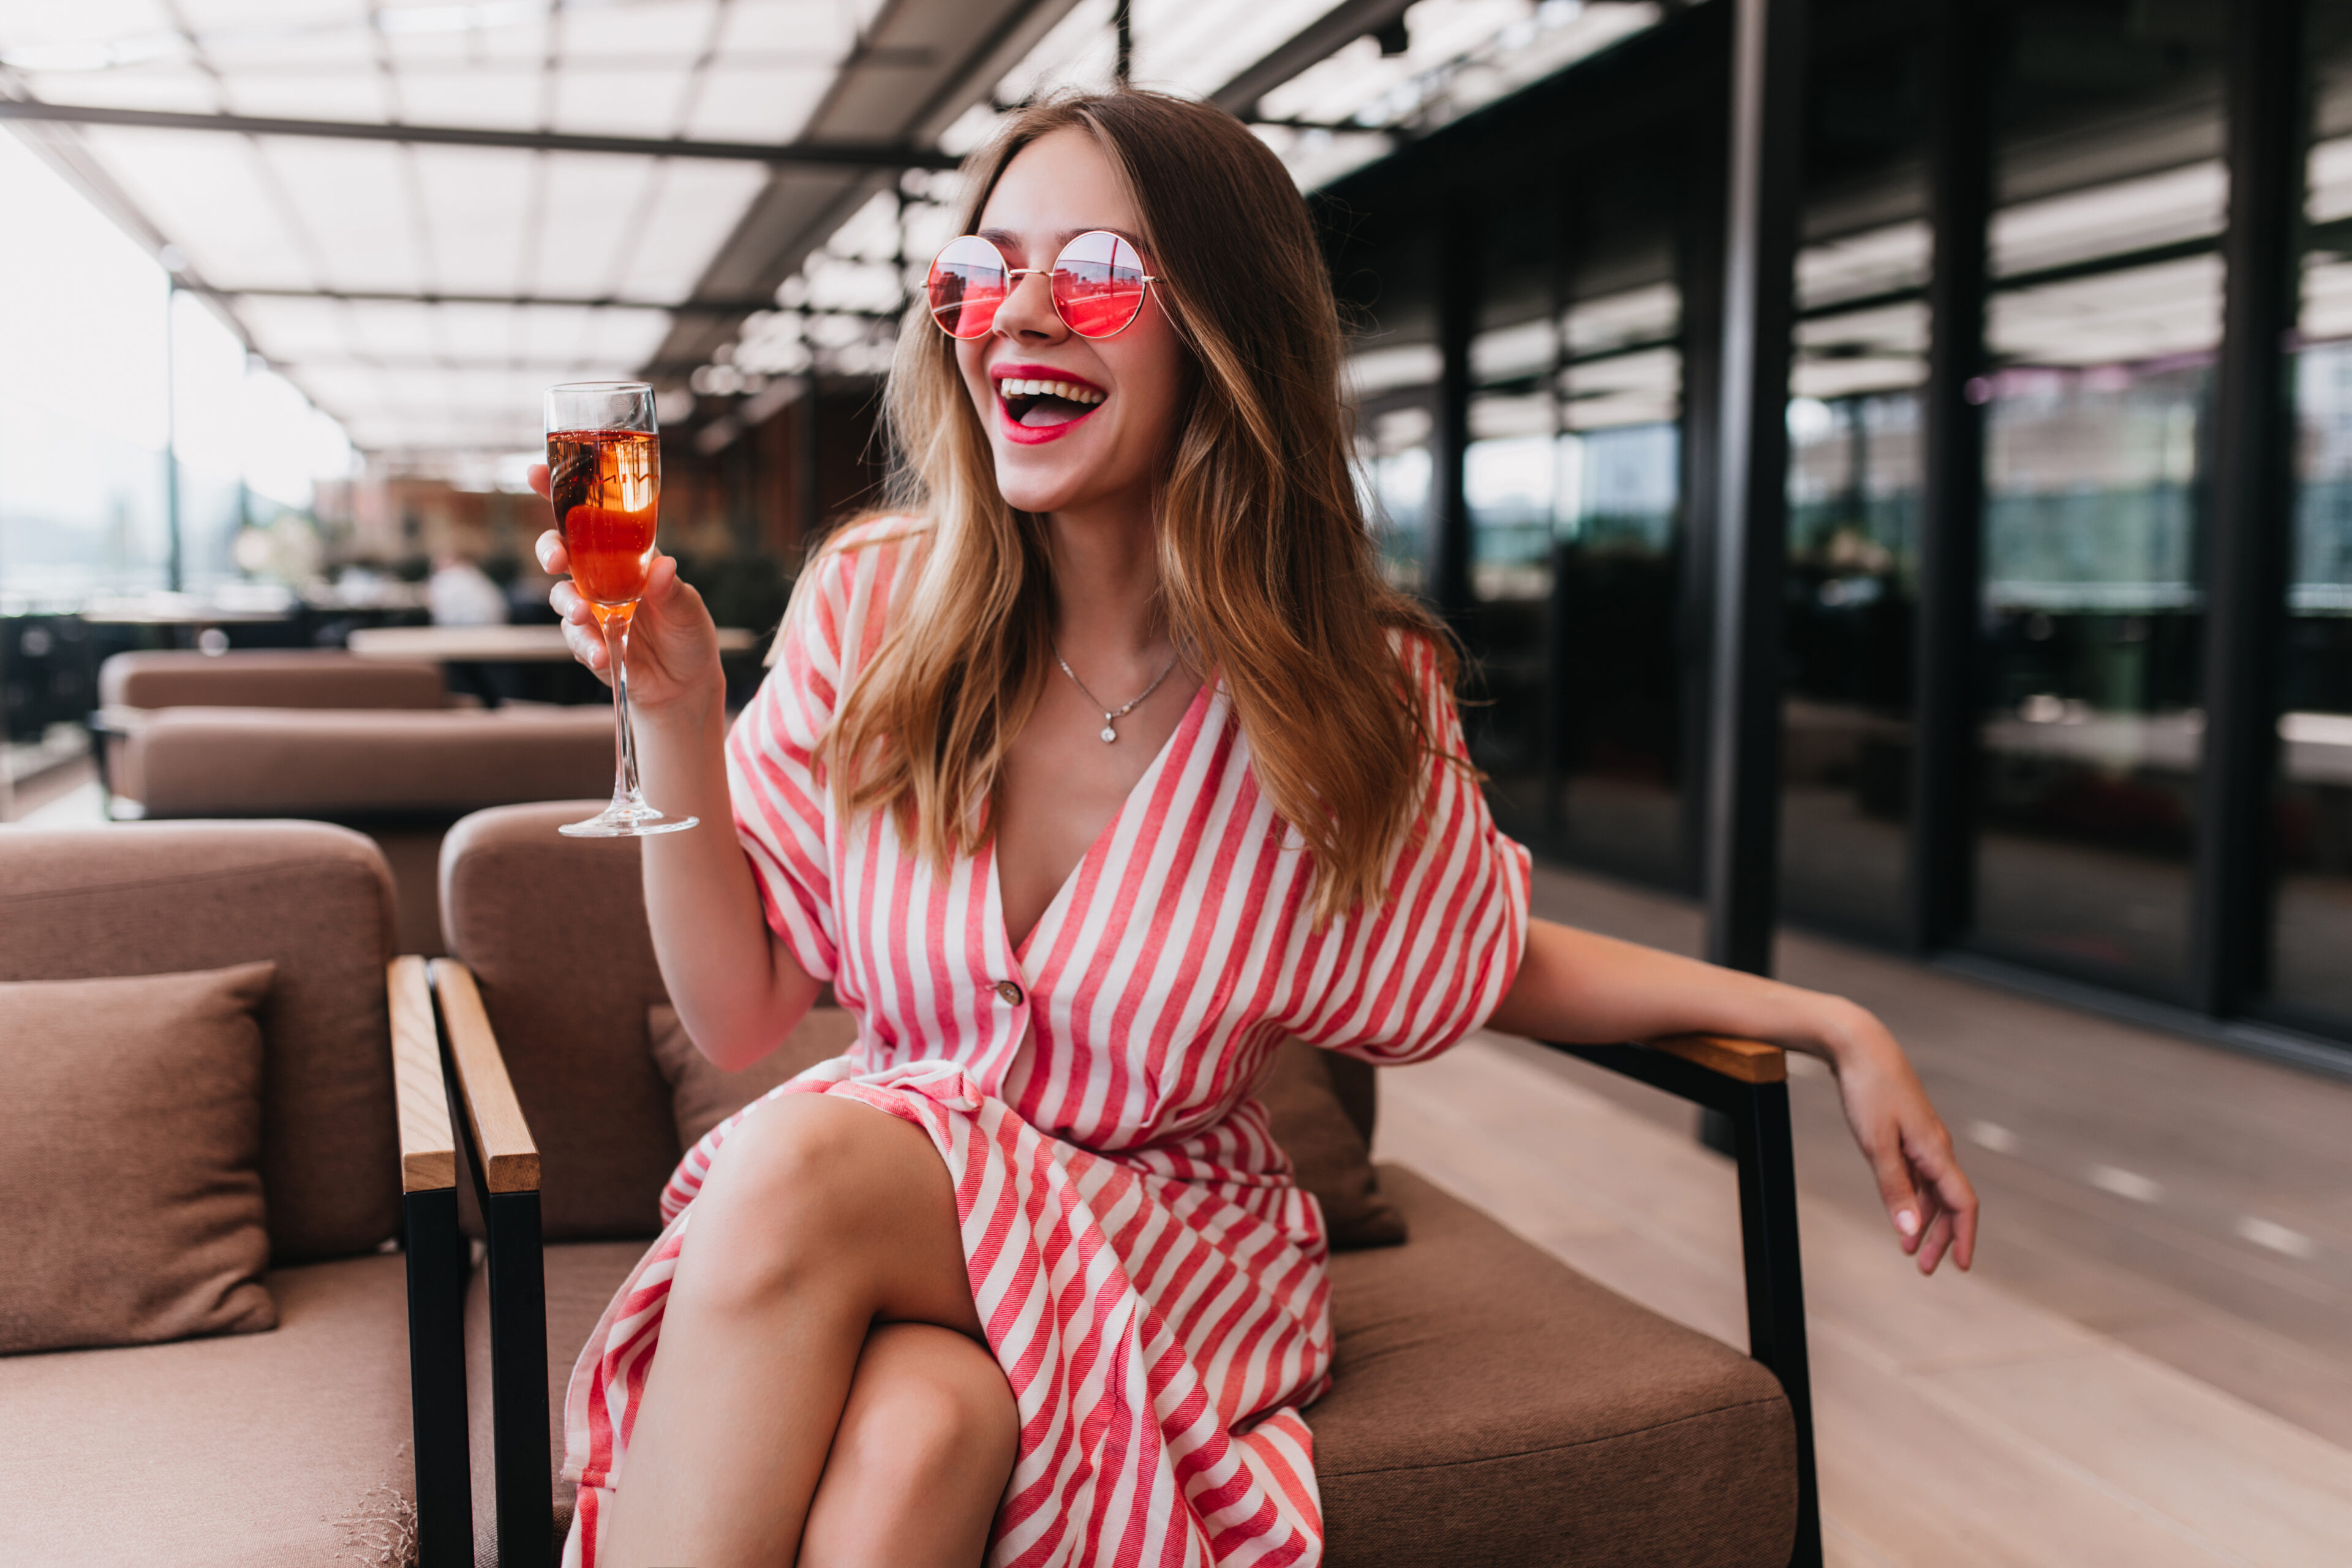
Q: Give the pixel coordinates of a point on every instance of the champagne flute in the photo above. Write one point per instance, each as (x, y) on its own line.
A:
(604, 470)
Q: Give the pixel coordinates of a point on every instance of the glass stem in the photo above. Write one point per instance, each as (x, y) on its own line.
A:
(625, 792)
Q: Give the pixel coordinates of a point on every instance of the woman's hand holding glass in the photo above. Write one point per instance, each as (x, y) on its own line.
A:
(673, 642)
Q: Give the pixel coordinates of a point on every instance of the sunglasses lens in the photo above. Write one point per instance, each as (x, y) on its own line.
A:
(967, 284)
(1098, 284)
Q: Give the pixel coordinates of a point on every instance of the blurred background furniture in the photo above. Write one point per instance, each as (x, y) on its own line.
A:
(133, 686)
(1488, 1403)
(401, 777)
(374, 744)
(524, 644)
(291, 1445)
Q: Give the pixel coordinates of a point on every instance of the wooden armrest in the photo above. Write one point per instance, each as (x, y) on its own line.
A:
(509, 1157)
(428, 1149)
(1749, 1061)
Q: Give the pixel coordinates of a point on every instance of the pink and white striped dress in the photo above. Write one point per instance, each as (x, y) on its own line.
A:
(1152, 1281)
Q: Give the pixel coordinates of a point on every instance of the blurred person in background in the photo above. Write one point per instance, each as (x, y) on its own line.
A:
(1102, 764)
(460, 593)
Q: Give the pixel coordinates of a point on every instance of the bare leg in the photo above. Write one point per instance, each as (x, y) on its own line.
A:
(921, 1457)
(820, 1216)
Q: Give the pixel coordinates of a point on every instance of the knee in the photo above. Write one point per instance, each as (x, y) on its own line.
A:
(931, 1414)
(782, 1202)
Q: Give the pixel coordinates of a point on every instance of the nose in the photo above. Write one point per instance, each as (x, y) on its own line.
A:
(1027, 315)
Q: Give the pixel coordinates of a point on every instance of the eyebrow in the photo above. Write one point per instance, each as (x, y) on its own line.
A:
(999, 236)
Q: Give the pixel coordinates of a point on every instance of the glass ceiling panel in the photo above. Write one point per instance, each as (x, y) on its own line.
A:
(296, 213)
(211, 195)
(758, 103)
(600, 101)
(477, 209)
(357, 202)
(688, 213)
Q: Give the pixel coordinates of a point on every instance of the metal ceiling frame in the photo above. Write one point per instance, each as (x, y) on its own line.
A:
(819, 155)
(1310, 46)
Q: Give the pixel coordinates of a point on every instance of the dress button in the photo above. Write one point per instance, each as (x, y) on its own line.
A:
(1010, 992)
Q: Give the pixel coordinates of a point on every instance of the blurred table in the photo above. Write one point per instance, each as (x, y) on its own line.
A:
(490, 644)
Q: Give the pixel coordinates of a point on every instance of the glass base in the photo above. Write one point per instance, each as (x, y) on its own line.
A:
(617, 821)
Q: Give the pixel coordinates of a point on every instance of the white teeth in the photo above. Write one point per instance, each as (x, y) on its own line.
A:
(1068, 391)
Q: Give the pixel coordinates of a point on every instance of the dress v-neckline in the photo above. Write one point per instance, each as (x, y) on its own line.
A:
(1051, 915)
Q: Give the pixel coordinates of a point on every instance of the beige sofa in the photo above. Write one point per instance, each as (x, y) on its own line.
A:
(1488, 1405)
(305, 1444)
(371, 745)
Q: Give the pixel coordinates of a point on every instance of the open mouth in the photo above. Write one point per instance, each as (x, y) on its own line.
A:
(1044, 404)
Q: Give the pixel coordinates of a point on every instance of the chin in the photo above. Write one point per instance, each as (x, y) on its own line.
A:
(1030, 485)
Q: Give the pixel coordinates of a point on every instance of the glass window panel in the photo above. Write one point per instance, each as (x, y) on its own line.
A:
(2097, 426)
(2311, 915)
(1618, 802)
(1850, 596)
(1394, 467)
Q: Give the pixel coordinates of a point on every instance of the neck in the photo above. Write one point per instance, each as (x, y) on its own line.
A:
(1106, 583)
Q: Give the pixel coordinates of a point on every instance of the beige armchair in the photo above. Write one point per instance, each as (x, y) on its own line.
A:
(1488, 1403)
(342, 1429)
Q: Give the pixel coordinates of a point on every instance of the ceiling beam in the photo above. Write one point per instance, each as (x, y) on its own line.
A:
(1316, 42)
(570, 301)
(808, 154)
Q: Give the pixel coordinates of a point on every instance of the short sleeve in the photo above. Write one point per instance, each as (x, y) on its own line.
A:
(782, 798)
(1403, 979)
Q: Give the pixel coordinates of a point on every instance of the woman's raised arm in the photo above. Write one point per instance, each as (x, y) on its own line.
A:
(736, 988)
(1581, 988)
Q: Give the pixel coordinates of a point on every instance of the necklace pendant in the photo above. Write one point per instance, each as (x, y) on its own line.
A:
(1108, 734)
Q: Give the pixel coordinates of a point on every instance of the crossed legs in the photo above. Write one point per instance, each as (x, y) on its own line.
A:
(822, 1394)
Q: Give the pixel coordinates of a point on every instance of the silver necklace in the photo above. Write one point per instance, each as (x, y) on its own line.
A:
(1112, 714)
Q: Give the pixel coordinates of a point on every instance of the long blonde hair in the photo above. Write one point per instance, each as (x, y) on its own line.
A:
(1267, 573)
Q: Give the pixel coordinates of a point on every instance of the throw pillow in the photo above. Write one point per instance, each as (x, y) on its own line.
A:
(130, 1147)
(1329, 1155)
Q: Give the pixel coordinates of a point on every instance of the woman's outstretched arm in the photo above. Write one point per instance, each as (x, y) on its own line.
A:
(1581, 988)
(735, 986)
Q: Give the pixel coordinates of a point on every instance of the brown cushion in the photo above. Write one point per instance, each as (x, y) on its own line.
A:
(569, 1011)
(278, 1450)
(1490, 1404)
(1327, 1154)
(130, 1141)
(702, 1096)
(260, 678)
(163, 898)
(272, 762)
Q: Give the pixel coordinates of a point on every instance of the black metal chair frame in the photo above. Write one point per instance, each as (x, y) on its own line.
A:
(1757, 1103)
(437, 1259)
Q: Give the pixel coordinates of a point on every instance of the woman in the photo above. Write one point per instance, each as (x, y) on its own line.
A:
(1107, 764)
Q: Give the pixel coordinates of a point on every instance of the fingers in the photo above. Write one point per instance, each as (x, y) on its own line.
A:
(536, 474)
(1939, 1237)
(1960, 1198)
(582, 635)
(553, 558)
(1944, 1187)
(1894, 1188)
(662, 580)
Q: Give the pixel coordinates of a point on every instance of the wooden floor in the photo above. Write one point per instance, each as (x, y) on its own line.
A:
(2150, 1364)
